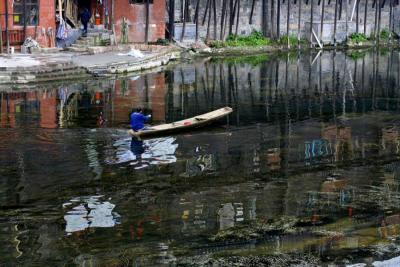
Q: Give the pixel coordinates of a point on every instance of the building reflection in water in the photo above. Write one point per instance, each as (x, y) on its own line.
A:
(93, 104)
(89, 212)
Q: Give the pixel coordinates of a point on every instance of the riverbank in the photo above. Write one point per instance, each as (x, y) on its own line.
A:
(18, 69)
(270, 49)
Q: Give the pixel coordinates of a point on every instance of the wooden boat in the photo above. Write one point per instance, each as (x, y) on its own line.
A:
(195, 122)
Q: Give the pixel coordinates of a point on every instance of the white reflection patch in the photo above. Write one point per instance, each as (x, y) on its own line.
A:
(89, 212)
(144, 153)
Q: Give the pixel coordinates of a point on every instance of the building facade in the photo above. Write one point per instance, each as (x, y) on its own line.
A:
(28, 18)
(38, 19)
(130, 17)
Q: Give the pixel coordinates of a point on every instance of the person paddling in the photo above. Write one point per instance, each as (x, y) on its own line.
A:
(137, 119)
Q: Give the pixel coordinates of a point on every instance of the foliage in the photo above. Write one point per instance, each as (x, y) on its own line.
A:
(384, 51)
(252, 60)
(291, 55)
(161, 41)
(256, 38)
(357, 54)
(292, 40)
(217, 44)
(358, 37)
(385, 34)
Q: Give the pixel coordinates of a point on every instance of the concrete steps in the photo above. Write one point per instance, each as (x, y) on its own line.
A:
(94, 37)
(50, 72)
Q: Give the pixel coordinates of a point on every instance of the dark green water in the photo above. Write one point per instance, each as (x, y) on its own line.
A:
(313, 140)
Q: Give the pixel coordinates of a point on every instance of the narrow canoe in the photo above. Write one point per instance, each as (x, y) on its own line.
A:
(195, 122)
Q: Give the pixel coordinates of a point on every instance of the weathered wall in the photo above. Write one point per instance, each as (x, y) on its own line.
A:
(136, 20)
(270, 25)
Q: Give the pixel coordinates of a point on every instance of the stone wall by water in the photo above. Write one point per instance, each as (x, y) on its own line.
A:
(269, 26)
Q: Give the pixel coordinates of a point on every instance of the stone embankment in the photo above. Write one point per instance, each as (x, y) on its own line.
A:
(20, 69)
(115, 60)
(23, 69)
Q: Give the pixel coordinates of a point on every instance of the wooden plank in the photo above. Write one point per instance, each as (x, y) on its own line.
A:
(223, 11)
(237, 17)
(278, 20)
(146, 36)
(252, 12)
(196, 17)
(288, 23)
(316, 38)
(335, 23)
(171, 19)
(365, 17)
(353, 10)
(205, 12)
(299, 25)
(379, 20)
(322, 19)
(376, 21)
(1, 40)
(391, 28)
(357, 16)
(231, 15)
(215, 19)
(209, 22)
(347, 18)
(184, 19)
(311, 22)
(7, 28)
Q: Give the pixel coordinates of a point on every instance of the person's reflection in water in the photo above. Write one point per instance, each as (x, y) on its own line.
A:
(137, 148)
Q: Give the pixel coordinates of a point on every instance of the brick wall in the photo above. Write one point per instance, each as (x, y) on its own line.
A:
(46, 21)
(135, 14)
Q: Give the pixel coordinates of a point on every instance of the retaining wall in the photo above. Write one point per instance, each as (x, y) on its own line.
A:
(269, 25)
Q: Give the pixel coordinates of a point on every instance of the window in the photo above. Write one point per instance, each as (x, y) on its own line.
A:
(140, 1)
(31, 12)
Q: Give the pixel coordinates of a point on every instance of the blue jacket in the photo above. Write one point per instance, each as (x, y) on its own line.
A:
(138, 120)
(85, 16)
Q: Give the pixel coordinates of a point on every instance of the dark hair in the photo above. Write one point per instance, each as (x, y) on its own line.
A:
(135, 110)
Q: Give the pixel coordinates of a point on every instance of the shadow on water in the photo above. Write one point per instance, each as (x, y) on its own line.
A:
(308, 162)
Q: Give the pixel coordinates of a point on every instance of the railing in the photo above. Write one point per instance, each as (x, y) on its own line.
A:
(16, 37)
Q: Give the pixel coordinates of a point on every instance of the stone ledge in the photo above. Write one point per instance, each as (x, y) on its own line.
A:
(153, 62)
(126, 47)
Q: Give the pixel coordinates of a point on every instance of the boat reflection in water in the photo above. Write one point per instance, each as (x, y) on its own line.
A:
(89, 212)
(142, 154)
